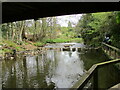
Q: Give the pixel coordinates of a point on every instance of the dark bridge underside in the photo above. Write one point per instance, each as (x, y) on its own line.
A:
(16, 11)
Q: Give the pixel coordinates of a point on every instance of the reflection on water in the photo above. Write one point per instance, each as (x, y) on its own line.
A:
(108, 75)
(60, 69)
(55, 69)
(69, 68)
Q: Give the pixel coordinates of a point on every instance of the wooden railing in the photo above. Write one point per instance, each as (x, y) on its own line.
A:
(112, 51)
(93, 71)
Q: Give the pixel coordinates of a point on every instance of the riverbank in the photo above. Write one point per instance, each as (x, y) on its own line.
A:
(8, 47)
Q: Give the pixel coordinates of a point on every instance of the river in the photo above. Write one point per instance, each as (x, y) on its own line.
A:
(56, 69)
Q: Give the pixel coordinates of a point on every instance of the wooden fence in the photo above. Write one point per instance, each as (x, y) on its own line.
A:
(93, 71)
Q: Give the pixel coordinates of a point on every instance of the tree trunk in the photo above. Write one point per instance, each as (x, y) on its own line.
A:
(23, 34)
(7, 35)
(34, 35)
(21, 30)
(13, 32)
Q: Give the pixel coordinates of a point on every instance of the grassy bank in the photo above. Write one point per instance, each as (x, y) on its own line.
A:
(62, 40)
(8, 46)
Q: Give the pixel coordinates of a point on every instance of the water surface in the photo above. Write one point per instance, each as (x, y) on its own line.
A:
(55, 69)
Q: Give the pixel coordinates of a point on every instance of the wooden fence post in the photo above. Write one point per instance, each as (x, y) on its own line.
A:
(115, 53)
(95, 80)
(110, 51)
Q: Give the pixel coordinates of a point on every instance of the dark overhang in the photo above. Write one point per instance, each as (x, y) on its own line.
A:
(16, 11)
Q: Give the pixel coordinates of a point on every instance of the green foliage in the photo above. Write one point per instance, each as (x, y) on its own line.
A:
(9, 43)
(57, 40)
(39, 44)
(5, 50)
(77, 40)
(118, 18)
(26, 43)
(62, 40)
(49, 41)
(19, 48)
(93, 28)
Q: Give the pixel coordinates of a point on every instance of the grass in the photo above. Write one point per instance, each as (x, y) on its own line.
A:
(61, 40)
(39, 44)
(26, 43)
(58, 40)
(6, 50)
(77, 40)
(19, 48)
(9, 43)
(11, 46)
(1, 51)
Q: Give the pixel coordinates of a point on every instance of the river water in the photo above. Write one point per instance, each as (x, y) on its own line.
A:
(56, 69)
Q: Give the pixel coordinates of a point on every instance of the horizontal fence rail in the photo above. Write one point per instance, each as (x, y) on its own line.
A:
(93, 71)
(111, 51)
(114, 48)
